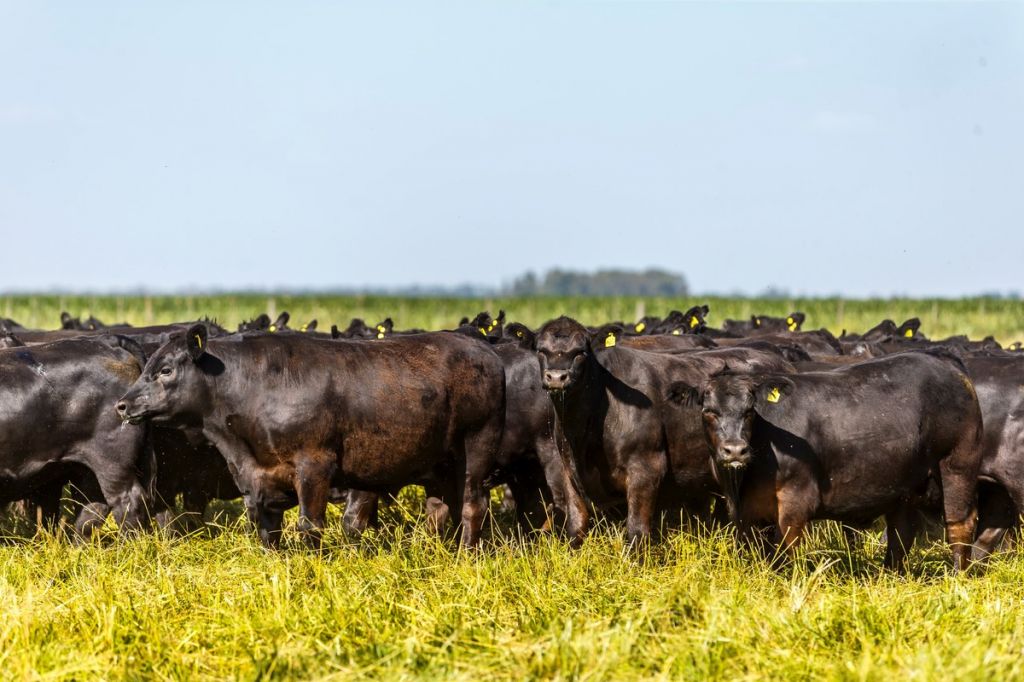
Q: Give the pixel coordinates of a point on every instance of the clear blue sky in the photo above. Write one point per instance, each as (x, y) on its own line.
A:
(857, 148)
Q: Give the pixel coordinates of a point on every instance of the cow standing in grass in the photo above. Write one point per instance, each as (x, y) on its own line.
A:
(295, 416)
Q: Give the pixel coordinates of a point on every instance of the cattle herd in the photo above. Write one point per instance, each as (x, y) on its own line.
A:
(759, 425)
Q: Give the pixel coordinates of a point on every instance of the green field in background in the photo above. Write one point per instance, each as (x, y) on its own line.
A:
(976, 317)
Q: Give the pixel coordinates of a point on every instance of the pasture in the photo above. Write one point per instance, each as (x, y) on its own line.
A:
(402, 604)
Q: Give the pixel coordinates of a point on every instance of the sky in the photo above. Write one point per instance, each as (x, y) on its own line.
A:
(820, 148)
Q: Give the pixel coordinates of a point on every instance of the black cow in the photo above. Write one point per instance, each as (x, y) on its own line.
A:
(998, 380)
(765, 324)
(851, 444)
(293, 415)
(357, 329)
(56, 423)
(621, 434)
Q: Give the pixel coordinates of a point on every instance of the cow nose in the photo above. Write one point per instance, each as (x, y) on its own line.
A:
(122, 407)
(556, 378)
(734, 454)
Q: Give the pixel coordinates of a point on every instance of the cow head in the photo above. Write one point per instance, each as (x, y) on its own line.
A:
(172, 386)
(563, 348)
(729, 404)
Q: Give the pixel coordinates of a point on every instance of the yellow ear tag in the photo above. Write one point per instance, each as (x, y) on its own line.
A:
(694, 322)
(909, 333)
(676, 332)
(791, 323)
(199, 341)
(640, 326)
(610, 341)
(380, 335)
(491, 326)
(381, 328)
(303, 328)
(482, 331)
(272, 328)
(757, 322)
(773, 395)
(519, 333)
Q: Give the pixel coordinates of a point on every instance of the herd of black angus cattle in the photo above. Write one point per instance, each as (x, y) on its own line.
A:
(758, 424)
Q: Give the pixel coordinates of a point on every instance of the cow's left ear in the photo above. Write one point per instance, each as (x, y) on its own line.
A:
(794, 321)
(606, 337)
(522, 335)
(773, 391)
(280, 323)
(195, 341)
(309, 326)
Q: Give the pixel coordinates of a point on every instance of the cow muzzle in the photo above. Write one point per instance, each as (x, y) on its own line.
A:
(556, 379)
(735, 455)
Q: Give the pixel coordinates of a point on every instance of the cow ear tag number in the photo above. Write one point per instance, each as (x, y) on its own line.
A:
(774, 395)
(609, 341)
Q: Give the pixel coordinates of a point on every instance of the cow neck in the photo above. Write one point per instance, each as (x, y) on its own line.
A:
(581, 407)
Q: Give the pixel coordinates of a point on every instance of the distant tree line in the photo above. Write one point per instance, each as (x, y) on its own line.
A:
(651, 282)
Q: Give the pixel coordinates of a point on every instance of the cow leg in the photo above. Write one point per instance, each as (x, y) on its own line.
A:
(643, 479)
(900, 531)
(437, 511)
(997, 514)
(313, 486)
(269, 520)
(796, 503)
(959, 490)
(90, 519)
(566, 497)
(361, 509)
(194, 503)
(475, 462)
(45, 505)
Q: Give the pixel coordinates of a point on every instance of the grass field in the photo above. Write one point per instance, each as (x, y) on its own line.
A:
(976, 317)
(402, 604)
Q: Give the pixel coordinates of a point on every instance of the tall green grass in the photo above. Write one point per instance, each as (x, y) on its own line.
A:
(976, 317)
(402, 604)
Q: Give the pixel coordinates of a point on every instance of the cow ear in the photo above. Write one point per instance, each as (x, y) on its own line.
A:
(388, 325)
(755, 320)
(522, 335)
(684, 394)
(309, 326)
(335, 334)
(909, 329)
(65, 320)
(606, 337)
(280, 323)
(774, 391)
(793, 321)
(501, 317)
(195, 341)
(693, 320)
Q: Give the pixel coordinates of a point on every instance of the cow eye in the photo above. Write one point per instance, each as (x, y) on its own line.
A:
(165, 371)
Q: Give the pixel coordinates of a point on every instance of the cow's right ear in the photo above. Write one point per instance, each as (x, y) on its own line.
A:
(65, 320)
(195, 341)
(335, 334)
(684, 394)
